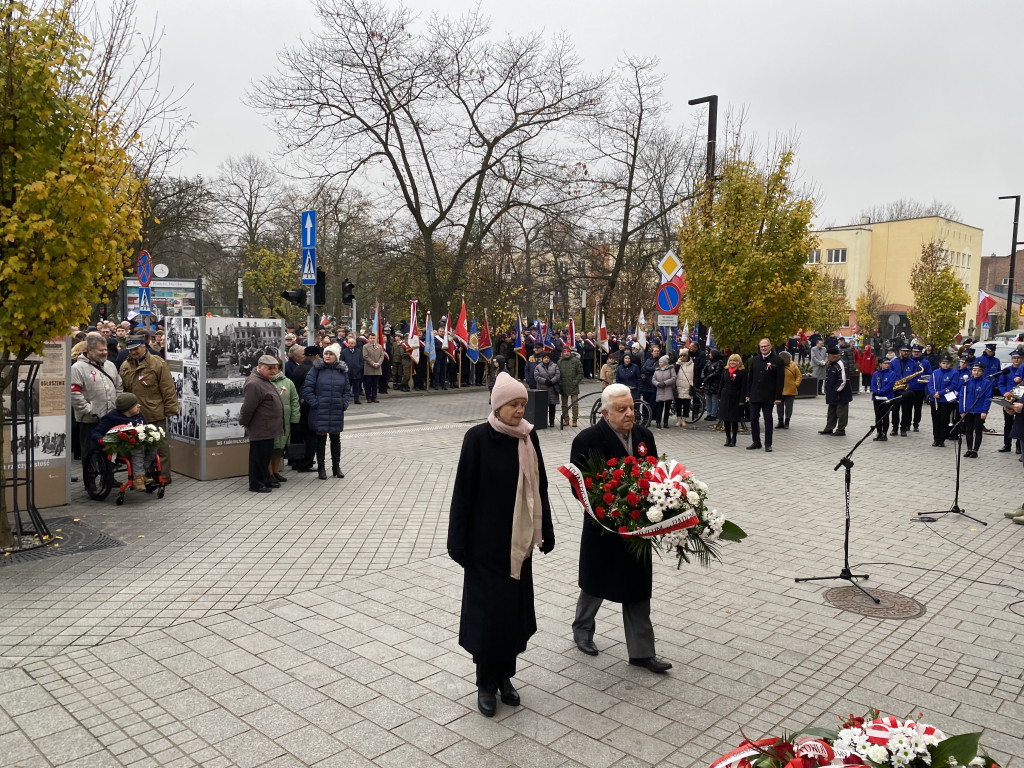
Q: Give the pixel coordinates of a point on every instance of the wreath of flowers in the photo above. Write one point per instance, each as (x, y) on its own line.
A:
(125, 439)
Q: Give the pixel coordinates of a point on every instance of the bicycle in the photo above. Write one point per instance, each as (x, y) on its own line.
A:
(641, 410)
(698, 405)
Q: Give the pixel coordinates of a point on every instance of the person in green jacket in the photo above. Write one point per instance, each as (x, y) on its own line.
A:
(572, 374)
(290, 401)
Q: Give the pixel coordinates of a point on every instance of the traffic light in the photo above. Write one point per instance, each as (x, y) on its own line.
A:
(298, 298)
(320, 289)
(347, 295)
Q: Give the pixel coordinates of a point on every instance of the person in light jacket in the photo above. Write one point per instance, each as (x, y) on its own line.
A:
(685, 380)
(790, 388)
(665, 384)
(819, 363)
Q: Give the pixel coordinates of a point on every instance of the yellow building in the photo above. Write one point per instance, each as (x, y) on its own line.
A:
(885, 252)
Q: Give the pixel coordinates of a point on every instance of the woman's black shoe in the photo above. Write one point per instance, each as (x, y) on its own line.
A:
(322, 474)
(486, 703)
(337, 472)
(280, 478)
(509, 695)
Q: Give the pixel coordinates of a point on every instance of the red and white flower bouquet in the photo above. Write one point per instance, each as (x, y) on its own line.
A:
(652, 503)
(880, 742)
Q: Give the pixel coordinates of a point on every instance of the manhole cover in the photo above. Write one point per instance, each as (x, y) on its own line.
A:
(892, 605)
(75, 538)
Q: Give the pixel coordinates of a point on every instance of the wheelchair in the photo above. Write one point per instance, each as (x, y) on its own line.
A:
(99, 476)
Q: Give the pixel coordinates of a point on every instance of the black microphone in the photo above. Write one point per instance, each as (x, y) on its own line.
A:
(1007, 369)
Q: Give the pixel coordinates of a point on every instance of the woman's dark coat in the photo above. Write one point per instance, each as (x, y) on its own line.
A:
(647, 376)
(607, 568)
(730, 397)
(497, 611)
(326, 391)
(628, 375)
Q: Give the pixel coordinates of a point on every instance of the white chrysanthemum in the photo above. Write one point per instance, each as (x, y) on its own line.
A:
(654, 514)
(877, 753)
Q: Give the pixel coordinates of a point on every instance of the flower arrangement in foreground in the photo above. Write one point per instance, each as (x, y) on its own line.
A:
(124, 439)
(652, 504)
(872, 741)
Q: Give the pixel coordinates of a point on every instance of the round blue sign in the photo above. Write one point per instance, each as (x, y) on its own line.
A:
(668, 298)
(145, 269)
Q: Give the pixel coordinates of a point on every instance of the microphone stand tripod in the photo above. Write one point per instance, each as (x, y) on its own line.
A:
(846, 574)
(957, 433)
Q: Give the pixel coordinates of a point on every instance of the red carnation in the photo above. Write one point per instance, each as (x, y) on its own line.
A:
(635, 514)
(132, 441)
(599, 512)
(647, 474)
(623, 529)
(588, 483)
(645, 493)
(644, 483)
(632, 499)
(608, 498)
(629, 460)
(612, 462)
(635, 472)
(652, 460)
(617, 474)
(616, 513)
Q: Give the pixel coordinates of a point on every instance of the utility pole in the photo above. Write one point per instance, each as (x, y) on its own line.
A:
(1013, 258)
(712, 102)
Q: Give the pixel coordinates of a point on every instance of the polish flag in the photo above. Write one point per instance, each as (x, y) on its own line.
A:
(603, 336)
(414, 335)
(985, 303)
(572, 333)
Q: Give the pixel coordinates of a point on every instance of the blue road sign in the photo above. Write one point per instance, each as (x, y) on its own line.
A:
(668, 298)
(309, 266)
(309, 229)
(144, 269)
(145, 303)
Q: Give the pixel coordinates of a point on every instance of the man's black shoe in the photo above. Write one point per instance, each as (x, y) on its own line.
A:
(828, 432)
(509, 695)
(940, 445)
(1004, 449)
(893, 433)
(273, 483)
(767, 449)
(280, 478)
(261, 489)
(654, 664)
(915, 428)
(839, 433)
(903, 433)
(486, 703)
(587, 646)
(881, 438)
(753, 446)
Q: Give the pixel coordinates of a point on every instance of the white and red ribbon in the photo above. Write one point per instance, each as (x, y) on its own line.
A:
(687, 519)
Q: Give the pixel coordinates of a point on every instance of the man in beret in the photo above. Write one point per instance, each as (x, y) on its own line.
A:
(148, 378)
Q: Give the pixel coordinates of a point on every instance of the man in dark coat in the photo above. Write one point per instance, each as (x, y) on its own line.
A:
(838, 394)
(306, 435)
(766, 376)
(608, 571)
(352, 356)
(262, 417)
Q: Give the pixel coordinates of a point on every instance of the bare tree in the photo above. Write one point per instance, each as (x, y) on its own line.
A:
(642, 169)
(906, 208)
(249, 193)
(453, 127)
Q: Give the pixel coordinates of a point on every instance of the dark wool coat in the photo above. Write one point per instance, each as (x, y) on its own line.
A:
(497, 611)
(765, 378)
(730, 397)
(326, 391)
(607, 569)
(262, 413)
(353, 358)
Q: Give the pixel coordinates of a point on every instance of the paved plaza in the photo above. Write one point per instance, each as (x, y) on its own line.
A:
(318, 625)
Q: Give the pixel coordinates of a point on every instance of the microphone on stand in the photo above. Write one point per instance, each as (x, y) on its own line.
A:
(1007, 369)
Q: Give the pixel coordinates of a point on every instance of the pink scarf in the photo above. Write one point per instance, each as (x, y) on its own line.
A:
(527, 512)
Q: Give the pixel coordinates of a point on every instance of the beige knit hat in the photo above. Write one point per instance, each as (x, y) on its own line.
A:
(506, 389)
(335, 350)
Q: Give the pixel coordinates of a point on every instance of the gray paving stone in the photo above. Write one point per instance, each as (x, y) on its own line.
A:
(368, 739)
(310, 744)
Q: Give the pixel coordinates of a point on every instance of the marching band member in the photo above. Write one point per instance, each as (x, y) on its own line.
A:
(882, 396)
(975, 399)
(1005, 385)
(943, 390)
(902, 366)
(916, 387)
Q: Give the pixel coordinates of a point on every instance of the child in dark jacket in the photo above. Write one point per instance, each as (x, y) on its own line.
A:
(127, 411)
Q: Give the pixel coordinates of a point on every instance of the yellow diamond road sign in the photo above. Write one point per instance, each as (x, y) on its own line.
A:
(669, 265)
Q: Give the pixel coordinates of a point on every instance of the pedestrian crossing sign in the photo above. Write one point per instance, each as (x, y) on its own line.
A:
(309, 266)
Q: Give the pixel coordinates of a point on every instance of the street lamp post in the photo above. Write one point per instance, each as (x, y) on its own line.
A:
(1013, 258)
(712, 102)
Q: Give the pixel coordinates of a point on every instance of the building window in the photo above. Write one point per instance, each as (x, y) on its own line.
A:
(1005, 281)
(814, 257)
(543, 268)
(836, 256)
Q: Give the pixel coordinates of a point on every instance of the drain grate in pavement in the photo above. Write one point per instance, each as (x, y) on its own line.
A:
(75, 538)
(892, 605)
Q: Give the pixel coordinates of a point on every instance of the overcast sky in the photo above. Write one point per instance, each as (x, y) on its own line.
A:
(888, 99)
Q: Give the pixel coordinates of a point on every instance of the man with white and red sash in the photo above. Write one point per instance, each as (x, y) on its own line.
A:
(608, 570)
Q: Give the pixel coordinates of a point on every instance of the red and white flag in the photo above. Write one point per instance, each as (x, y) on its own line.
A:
(461, 329)
(572, 333)
(451, 348)
(414, 334)
(985, 303)
(602, 338)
